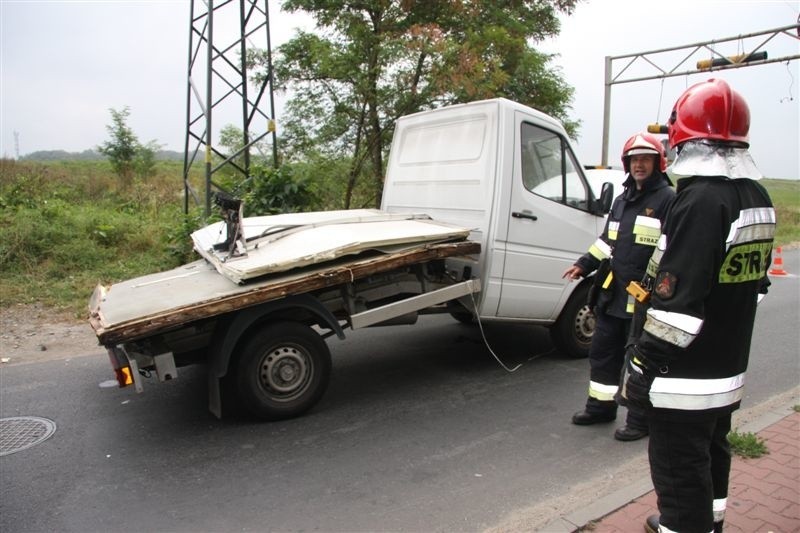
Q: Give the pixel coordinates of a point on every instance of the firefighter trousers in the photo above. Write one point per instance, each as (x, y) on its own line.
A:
(690, 463)
(606, 356)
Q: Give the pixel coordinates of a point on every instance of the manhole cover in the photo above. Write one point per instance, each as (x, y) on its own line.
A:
(21, 432)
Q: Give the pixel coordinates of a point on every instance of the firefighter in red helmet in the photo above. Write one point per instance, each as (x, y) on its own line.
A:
(620, 255)
(688, 365)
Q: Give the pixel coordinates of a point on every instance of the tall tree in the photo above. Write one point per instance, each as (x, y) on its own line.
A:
(374, 60)
(127, 155)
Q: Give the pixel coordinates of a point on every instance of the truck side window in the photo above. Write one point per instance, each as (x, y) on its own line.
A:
(549, 167)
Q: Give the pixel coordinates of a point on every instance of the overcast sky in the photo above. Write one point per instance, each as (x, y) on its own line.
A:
(64, 63)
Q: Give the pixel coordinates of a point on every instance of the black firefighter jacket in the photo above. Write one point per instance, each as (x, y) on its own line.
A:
(710, 266)
(631, 233)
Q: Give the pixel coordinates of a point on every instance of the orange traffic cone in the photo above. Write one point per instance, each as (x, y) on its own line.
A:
(777, 264)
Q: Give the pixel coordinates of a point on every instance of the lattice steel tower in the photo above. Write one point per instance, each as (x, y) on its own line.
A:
(219, 87)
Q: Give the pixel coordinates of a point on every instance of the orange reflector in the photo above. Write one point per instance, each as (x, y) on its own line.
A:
(124, 376)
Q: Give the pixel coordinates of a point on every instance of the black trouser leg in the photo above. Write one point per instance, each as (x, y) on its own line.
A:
(690, 467)
(606, 356)
(720, 467)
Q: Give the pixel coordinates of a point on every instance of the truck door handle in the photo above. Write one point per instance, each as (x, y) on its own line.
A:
(517, 214)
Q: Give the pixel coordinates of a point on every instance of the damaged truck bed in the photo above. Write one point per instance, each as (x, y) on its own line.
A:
(257, 308)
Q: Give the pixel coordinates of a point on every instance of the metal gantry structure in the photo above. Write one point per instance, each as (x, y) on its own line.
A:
(222, 37)
(714, 60)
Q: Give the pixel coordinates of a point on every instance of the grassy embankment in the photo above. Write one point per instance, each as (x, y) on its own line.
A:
(68, 226)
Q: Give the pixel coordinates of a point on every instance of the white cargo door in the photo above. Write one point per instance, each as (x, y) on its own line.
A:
(549, 225)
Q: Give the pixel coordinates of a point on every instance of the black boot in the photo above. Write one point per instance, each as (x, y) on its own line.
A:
(585, 418)
(628, 433)
(651, 524)
(635, 427)
(595, 412)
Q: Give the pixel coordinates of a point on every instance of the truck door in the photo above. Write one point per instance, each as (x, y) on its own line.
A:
(549, 224)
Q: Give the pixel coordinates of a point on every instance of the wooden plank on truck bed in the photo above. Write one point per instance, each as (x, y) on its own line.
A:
(144, 306)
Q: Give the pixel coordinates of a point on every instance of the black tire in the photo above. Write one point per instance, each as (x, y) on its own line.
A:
(283, 370)
(572, 332)
(464, 317)
(461, 313)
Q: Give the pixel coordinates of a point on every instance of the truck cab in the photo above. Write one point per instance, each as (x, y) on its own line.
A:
(509, 174)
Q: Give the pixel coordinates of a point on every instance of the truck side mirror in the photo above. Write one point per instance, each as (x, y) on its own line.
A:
(603, 204)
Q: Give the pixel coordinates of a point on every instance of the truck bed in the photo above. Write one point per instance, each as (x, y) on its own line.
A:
(155, 303)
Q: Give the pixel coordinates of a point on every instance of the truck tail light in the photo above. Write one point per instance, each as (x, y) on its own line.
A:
(124, 376)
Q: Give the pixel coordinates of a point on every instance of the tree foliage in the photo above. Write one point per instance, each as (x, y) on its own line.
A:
(372, 61)
(127, 155)
(277, 190)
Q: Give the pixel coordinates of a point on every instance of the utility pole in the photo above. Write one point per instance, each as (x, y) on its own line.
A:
(221, 40)
(717, 61)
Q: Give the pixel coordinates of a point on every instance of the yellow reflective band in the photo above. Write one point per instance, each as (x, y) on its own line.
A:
(746, 262)
(647, 230)
(613, 231)
(599, 391)
(600, 250)
(655, 259)
(652, 264)
(647, 222)
(630, 304)
(646, 240)
(608, 280)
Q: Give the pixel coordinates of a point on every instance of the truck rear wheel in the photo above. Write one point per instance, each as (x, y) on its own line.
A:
(572, 332)
(283, 371)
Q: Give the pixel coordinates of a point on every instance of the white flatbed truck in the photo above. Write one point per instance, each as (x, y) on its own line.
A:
(517, 210)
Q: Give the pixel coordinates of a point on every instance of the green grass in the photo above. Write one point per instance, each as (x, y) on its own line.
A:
(748, 445)
(69, 225)
(785, 196)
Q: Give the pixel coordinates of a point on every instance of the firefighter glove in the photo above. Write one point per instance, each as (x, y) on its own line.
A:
(636, 380)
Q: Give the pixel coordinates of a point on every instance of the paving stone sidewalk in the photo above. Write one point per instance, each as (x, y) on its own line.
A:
(764, 493)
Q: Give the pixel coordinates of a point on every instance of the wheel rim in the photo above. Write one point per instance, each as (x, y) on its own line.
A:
(285, 372)
(584, 325)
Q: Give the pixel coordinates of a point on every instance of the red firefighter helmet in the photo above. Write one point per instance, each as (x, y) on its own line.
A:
(709, 110)
(644, 143)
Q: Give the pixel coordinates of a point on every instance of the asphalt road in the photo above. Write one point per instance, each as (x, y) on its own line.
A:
(420, 430)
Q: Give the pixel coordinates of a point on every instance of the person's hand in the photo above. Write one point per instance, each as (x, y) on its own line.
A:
(574, 272)
(636, 380)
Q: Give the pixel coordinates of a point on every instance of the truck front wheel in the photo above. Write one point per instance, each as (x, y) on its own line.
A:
(572, 332)
(283, 371)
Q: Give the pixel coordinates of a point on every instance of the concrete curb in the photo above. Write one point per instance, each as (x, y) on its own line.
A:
(609, 503)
